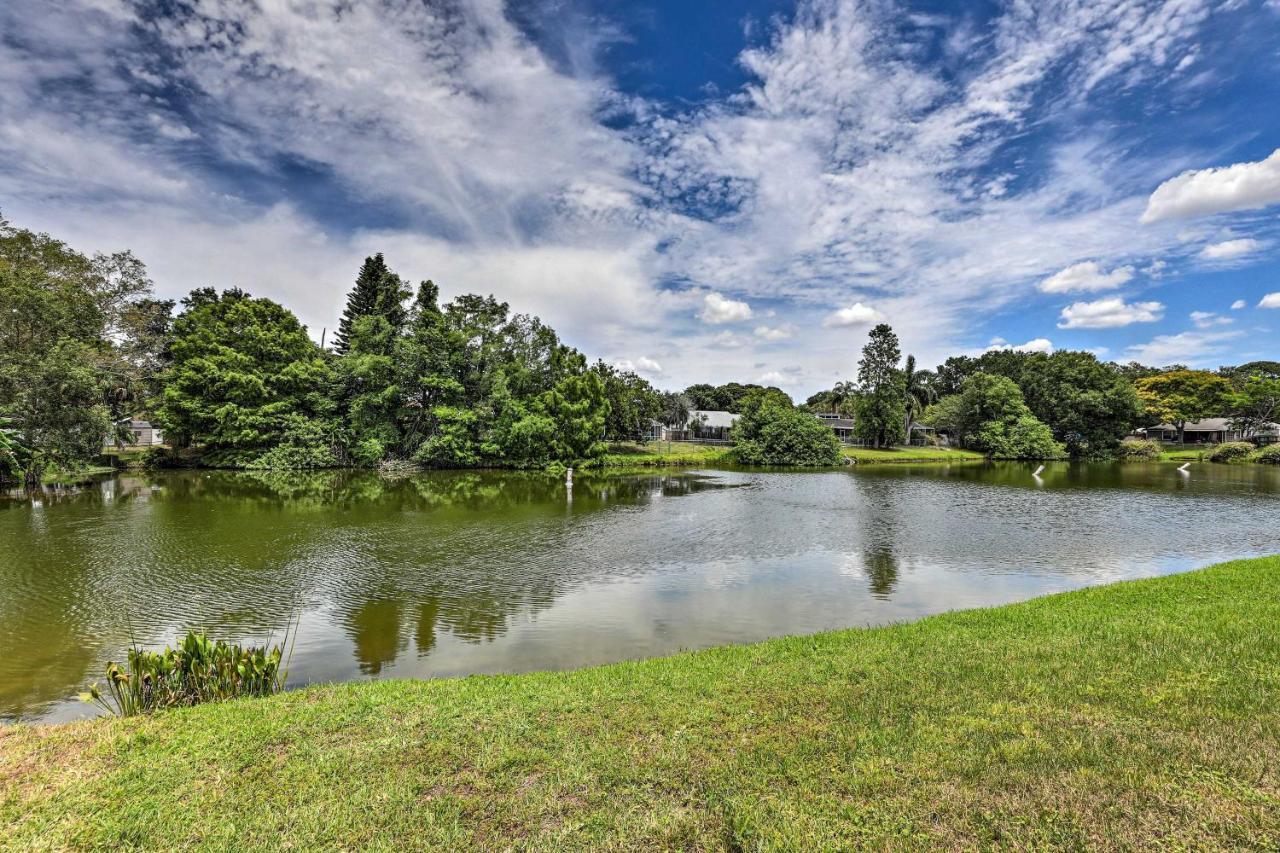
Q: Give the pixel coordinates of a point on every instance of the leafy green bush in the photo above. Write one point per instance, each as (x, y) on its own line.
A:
(789, 437)
(1026, 437)
(197, 671)
(1139, 450)
(1231, 451)
(1269, 455)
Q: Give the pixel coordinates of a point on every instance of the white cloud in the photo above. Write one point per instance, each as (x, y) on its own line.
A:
(716, 309)
(856, 314)
(842, 168)
(1109, 313)
(1230, 249)
(642, 365)
(1087, 277)
(1207, 319)
(1200, 192)
(775, 333)
(1033, 345)
(1238, 304)
(1271, 300)
(1182, 348)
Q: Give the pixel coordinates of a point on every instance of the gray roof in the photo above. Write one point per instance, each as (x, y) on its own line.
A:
(1207, 425)
(712, 418)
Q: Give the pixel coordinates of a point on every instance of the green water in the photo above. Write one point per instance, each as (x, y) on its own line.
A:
(455, 573)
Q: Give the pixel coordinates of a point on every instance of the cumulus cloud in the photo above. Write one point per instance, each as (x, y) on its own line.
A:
(1184, 347)
(856, 314)
(1109, 314)
(1271, 300)
(1229, 250)
(1033, 345)
(1238, 304)
(642, 365)
(1207, 319)
(775, 333)
(1086, 277)
(1200, 192)
(717, 309)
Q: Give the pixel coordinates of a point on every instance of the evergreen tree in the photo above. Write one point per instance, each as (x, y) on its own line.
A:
(883, 388)
(377, 291)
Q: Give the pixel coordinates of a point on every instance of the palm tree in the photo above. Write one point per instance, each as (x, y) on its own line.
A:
(841, 394)
(919, 393)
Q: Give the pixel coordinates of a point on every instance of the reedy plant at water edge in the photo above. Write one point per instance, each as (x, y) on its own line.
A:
(199, 670)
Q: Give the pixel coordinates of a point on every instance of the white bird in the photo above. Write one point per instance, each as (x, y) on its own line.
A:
(1182, 469)
(1037, 471)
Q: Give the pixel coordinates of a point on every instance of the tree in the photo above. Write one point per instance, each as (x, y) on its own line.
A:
(883, 389)
(918, 391)
(67, 345)
(1255, 403)
(377, 291)
(783, 435)
(1088, 405)
(675, 410)
(243, 374)
(990, 415)
(1181, 396)
(633, 402)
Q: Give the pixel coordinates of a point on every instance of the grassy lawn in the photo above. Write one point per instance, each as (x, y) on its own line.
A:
(1142, 714)
(911, 454)
(625, 454)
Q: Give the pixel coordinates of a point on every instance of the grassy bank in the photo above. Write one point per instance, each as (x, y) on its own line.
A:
(626, 454)
(1143, 714)
(911, 454)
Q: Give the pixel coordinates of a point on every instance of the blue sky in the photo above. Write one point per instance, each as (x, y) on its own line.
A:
(701, 191)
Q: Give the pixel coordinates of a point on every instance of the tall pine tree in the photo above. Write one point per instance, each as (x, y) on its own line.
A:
(377, 291)
(883, 389)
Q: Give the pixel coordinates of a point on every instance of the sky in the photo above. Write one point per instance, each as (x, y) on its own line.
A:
(699, 191)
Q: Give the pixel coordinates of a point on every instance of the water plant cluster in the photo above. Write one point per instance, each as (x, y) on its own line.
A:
(197, 671)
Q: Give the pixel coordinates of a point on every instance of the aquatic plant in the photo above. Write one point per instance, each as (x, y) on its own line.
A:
(199, 670)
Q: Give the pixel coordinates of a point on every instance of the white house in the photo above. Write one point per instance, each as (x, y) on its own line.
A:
(142, 433)
(702, 425)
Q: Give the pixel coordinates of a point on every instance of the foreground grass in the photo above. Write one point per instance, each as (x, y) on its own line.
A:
(911, 454)
(1142, 714)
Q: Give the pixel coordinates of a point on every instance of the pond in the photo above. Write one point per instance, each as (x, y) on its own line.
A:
(452, 573)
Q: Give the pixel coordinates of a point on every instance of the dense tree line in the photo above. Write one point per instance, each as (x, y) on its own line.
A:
(236, 380)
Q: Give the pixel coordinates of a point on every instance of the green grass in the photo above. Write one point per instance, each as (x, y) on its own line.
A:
(626, 454)
(1142, 714)
(911, 454)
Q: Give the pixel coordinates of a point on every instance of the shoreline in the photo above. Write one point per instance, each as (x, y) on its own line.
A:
(1090, 717)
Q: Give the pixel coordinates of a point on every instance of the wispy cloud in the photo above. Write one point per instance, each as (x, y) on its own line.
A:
(874, 166)
(1184, 347)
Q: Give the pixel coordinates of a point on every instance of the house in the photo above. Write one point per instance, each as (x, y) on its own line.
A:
(142, 432)
(839, 424)
(703, 425)
(1212, 431)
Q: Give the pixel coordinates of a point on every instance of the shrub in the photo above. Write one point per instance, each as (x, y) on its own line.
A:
(1231, 451)
(197, 671)
(1269, 455)
(1027, 437)
(789, 437)
(1139, 450)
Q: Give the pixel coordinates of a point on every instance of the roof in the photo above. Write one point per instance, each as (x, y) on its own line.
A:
(713, 418)
(1209, 425)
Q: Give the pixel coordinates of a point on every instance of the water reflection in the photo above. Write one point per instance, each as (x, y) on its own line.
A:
(458, 572)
